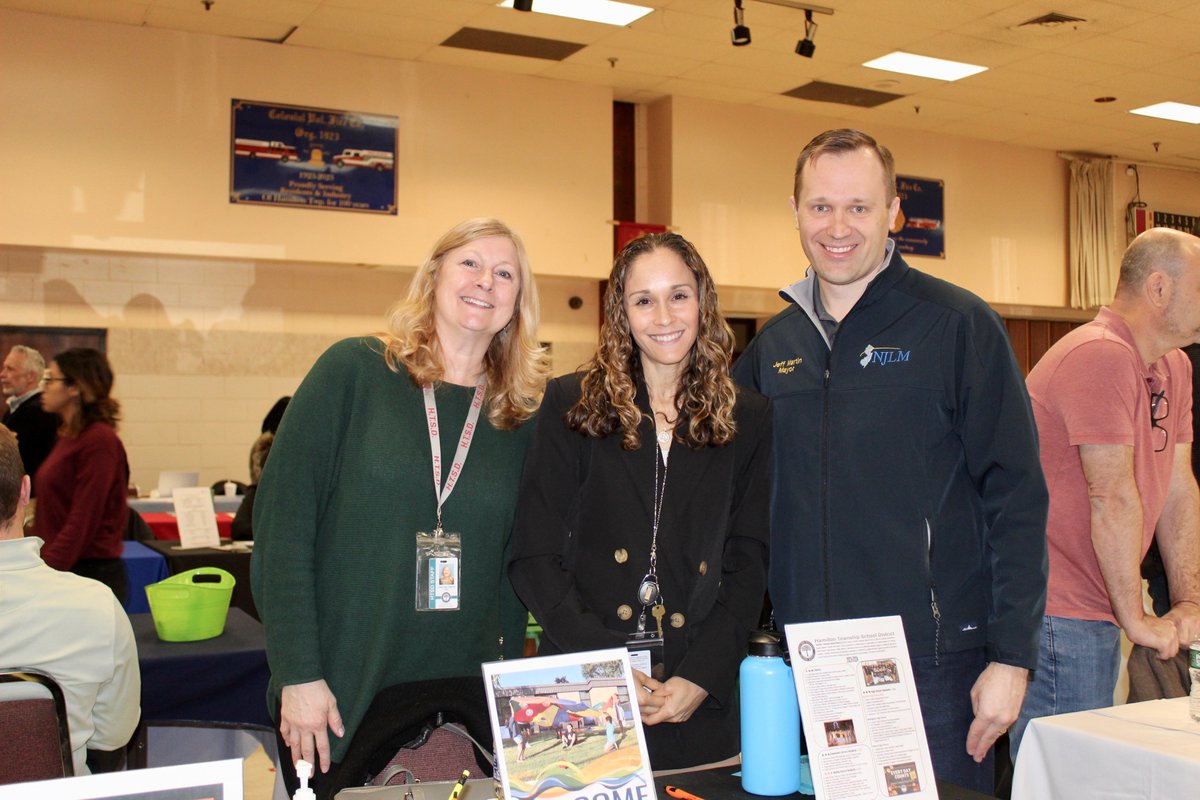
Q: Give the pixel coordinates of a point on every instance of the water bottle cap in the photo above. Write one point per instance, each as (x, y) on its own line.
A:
(766, 644)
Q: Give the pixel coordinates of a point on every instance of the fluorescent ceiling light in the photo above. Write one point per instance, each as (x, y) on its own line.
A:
(609, 12)
(1178, 112)
(924, 66)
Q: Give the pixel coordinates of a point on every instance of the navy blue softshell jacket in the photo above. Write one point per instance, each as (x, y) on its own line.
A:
(906, 472)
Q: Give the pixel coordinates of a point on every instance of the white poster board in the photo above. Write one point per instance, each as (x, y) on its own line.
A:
(858, 703)
(212, 780)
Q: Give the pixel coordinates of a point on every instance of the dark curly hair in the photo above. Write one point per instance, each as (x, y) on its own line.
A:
(705, 397)
(88, 371)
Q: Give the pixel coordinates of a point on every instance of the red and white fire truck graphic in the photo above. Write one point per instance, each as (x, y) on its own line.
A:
(378, 160)
(261, 148)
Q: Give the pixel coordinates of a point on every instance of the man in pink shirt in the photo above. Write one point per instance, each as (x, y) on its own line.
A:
(1113, 404)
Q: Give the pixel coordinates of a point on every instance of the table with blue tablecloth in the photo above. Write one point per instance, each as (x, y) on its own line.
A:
(223, 679)
(143, 566)
(206, 700)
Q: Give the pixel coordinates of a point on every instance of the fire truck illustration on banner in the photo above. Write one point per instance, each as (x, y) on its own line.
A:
(260, 148)
(379, 160)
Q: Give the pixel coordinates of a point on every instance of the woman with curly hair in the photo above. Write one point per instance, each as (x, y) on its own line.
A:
(643, 512)
(400, 454)
(81, 506)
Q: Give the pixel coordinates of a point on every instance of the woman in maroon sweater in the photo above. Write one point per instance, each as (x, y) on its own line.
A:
(81, 508)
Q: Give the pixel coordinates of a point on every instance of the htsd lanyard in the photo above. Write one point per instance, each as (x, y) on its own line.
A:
(460, 454)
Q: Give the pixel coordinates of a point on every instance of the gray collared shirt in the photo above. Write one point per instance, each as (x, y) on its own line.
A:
(827, 321)
(824, 317)
(15, 402)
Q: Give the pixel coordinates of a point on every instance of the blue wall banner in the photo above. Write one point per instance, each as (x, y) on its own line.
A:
(312, 157)
(920, 228)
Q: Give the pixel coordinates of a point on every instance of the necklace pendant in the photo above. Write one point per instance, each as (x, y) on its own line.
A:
(648, 591)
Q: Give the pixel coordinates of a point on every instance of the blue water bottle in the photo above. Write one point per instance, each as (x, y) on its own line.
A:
(770, 719)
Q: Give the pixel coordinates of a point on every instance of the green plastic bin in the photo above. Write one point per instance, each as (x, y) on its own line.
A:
(192, 605)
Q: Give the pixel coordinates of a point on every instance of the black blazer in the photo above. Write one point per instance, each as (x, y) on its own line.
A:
(36, 431)
(581, 545)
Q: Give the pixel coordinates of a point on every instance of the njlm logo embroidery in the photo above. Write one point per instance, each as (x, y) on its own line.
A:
(883, 355)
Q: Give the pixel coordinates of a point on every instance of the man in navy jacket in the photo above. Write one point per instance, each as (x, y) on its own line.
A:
(906, 469)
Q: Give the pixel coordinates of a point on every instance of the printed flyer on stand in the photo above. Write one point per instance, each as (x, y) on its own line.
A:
(859, 708)
(567, 726)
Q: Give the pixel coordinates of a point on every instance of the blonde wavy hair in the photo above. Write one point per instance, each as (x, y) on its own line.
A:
(705, 397)
(515, 364)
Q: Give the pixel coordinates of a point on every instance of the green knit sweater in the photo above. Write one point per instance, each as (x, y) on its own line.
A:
(348, 484)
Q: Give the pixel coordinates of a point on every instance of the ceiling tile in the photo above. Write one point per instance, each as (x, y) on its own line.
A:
(710, 91)
(772, 82)
(225, 26)
(618, 77)
(489, 61)
(1171, 32)
(385, 46)
(635, 60)
(380, 24)
(1052, 66)
(129, 12)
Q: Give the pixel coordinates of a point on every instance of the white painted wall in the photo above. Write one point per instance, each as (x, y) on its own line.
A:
(731, 177)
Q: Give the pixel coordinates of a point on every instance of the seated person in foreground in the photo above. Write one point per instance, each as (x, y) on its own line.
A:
(68, 626)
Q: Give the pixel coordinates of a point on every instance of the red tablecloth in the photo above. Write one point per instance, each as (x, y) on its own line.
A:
(164, 526)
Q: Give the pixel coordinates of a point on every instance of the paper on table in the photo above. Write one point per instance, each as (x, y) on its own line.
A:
(859, 707)
(196, 518)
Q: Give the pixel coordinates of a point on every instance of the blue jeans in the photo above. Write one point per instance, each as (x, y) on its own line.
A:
(945, 694)
(1076, 671)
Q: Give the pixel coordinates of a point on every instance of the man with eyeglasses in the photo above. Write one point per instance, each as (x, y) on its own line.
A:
(36, 429)
(1113, 404)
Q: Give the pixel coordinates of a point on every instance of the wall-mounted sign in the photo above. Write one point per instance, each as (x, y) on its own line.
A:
(1180, 222)
(920, 228)
(312, 157)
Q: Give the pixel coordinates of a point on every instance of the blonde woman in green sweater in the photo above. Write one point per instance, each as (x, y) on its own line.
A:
(442, 397)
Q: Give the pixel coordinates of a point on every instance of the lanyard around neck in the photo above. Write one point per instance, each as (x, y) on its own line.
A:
(442, 493)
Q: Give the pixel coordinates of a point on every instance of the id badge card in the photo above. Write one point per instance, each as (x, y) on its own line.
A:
(439, 571)
(646, 653)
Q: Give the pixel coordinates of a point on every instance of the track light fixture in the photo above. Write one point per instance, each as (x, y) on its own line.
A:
(740, 35)
(805, 47)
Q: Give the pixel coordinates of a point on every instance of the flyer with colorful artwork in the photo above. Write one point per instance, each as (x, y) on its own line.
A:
(567, 726)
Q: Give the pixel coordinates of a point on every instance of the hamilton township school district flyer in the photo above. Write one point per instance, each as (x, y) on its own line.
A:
(859, 708)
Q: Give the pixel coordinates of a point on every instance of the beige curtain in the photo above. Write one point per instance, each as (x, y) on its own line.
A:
(1093, 270)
